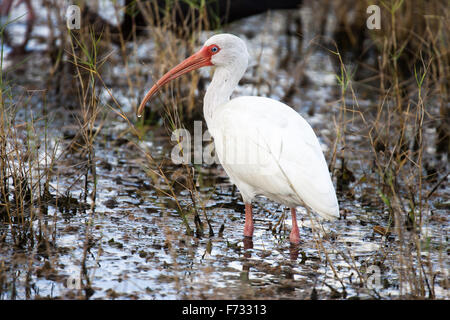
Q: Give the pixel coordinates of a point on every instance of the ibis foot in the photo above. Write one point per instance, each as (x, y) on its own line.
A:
(294, 237)
(248, 243)
(293, 251)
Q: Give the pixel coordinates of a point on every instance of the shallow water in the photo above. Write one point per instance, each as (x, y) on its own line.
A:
(133, 244)
(138, 247)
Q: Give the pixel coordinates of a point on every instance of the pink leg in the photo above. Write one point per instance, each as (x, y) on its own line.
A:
(248, 227)
(294, 237)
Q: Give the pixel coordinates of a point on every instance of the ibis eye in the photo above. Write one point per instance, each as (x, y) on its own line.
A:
(214, 49)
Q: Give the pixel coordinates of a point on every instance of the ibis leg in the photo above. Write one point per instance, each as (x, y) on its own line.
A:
(294, 237)
(248, 227)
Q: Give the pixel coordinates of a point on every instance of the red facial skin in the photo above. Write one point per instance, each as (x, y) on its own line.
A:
(199, 59)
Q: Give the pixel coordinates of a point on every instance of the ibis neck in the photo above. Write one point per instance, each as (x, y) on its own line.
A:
(219, 91)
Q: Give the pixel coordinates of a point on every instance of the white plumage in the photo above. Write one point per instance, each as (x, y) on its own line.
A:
(265, 146)
(289, 167)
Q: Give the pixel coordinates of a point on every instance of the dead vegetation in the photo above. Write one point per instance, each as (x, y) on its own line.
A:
(390, 153)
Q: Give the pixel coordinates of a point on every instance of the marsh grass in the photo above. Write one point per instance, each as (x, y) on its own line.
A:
(30, 156)
(413, 48)
(26, 172)
(408, 76)
(168, 39)
(390, 161)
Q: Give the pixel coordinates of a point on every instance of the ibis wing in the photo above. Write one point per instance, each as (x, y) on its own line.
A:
(267, 148)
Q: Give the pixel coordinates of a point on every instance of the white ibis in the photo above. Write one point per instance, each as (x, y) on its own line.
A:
(266, 148)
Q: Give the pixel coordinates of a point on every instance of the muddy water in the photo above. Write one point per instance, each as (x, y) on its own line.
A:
(137, 247)
(134, 245)
(131, 242)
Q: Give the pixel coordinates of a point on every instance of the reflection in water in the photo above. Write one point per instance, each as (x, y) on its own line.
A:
(293, 251)
(248, 245)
